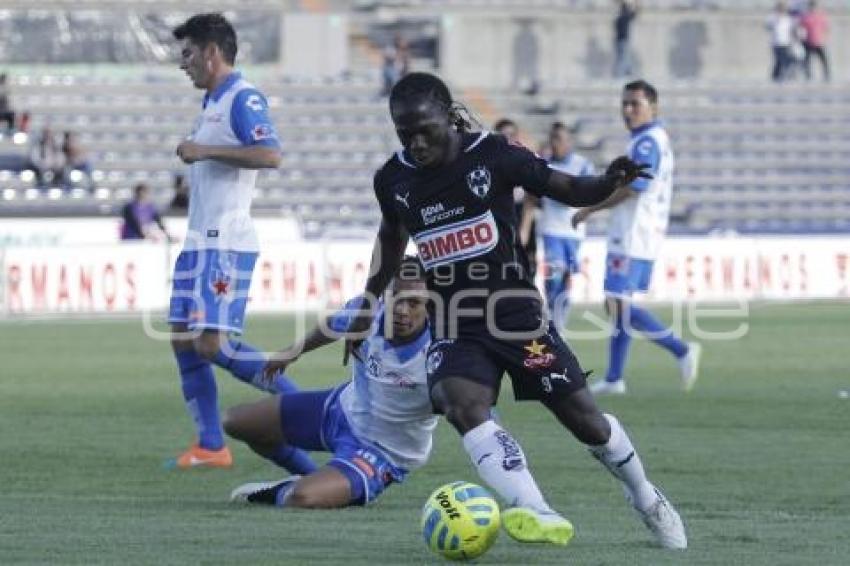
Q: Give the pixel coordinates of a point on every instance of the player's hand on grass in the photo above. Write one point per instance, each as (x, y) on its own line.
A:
(622, 171)
(279, 361)
(189, 151)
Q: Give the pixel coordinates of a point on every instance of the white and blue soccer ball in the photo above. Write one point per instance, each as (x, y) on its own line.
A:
(460, 521)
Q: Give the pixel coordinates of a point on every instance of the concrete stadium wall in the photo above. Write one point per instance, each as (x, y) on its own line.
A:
(486, 50)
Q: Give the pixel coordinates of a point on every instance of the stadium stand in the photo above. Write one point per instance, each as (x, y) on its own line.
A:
(750, 157)
(597, 5)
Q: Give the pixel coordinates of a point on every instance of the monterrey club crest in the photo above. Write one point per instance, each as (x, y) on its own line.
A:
(435, 358)
(478, 181)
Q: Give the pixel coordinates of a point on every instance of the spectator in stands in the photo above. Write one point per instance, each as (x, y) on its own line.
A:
(7, 114)
(389, 72)
(402, 55)
(396, 63)
(780, 24)
(141, 218)
(180, 200)
(76, 159)
(622, 32)
(815, 27)
(47, 159)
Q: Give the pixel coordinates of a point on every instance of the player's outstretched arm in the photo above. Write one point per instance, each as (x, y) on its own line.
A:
(589, 191)
(387, 254)
(246, 157)
(320, 336)
(616, 198)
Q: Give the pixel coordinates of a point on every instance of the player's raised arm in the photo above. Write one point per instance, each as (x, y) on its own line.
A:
(592, 190)
(523, 168)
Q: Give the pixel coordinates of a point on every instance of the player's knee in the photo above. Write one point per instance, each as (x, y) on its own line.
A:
(179, 341)
(594, 430)
(466, 414)
(613, 306)
(208, 345)
(237, 424)
(233, 425)
(305, 498)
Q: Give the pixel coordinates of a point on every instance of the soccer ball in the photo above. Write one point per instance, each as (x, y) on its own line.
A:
(460, 521)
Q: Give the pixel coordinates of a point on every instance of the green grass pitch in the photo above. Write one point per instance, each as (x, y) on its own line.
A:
(757, 458)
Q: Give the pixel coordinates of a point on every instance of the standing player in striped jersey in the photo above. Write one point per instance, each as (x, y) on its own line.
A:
(639, 217)
(233, 138)
(561, 240)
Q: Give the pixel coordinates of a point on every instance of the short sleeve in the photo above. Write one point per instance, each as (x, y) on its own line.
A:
(383, 193)
(523, 168)
(645, 150)
(250, 121)
(341, 320)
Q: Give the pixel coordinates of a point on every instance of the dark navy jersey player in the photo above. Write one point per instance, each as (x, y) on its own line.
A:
(462, 216)
(450, 190)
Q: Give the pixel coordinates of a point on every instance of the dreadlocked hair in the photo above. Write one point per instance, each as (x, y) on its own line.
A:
(425, 85)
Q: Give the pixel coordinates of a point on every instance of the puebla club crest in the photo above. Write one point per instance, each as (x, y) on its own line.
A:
(478, 181)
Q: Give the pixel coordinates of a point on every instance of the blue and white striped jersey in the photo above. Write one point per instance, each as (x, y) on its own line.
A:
(387, 401)
(235, 114)
(637, 225)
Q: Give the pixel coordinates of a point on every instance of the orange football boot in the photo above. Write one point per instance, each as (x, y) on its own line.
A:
(196, 457)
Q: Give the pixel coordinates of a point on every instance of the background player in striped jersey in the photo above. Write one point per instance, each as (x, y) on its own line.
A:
(378, 425)
(561, 240)
(636, 229)
(232, 138)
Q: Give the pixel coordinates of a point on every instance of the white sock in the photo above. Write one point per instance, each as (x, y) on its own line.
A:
(621, 459)
(501, 464)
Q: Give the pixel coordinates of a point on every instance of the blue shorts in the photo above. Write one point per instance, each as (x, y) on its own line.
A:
(210, 289)
(561, 254)
(625, 275)
(314, 420)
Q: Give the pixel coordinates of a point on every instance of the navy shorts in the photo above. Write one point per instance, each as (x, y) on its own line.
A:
(314, 420)
(541, 368)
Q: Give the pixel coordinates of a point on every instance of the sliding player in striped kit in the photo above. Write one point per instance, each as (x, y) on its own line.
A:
(378, 425)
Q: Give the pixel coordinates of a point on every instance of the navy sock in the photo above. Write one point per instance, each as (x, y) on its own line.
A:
(618, 351)
(201, 396)
(246, 363)
(294, 460)
(645, 322)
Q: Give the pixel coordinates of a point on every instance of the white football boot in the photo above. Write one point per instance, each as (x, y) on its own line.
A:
(664, 522)
(689, 366)
(603, 387)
